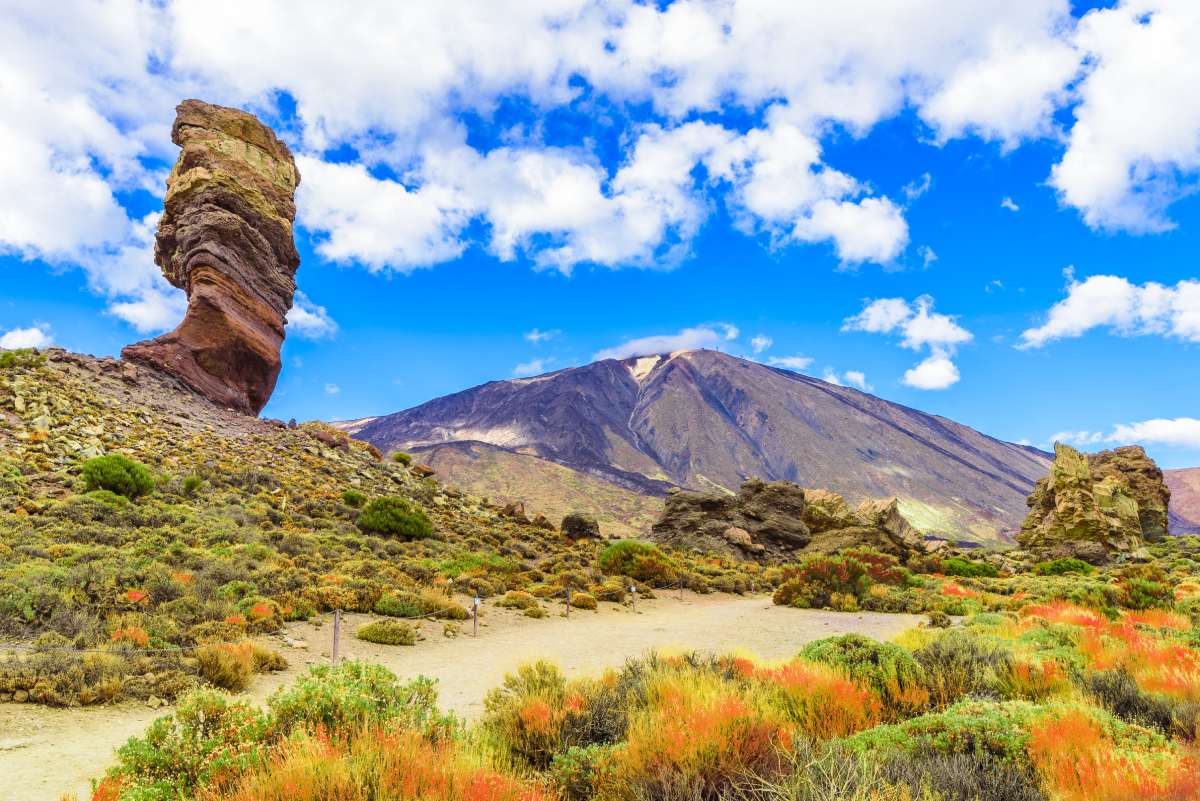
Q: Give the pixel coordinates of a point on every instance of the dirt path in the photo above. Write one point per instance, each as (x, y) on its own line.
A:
(45, 753)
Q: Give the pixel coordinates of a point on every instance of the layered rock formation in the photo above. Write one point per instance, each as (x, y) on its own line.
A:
(1095, 506)
(225, 238)
(779, 520)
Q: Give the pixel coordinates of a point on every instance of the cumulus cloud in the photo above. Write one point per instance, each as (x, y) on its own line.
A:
(536, 336)
(761, 342)
(1179, 432)
(857, 378)
(1134, 147)
(703, 336)
(532, 367)
(796, 362)
(1009, 204)
(308, 320)
(919, 328)
(35, 336)
(1123, 307)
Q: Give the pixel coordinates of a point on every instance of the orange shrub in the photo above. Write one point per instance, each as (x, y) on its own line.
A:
(1036, 680)
(394, 764)
(134, 635)
(1080, 763)
(227, 665)
(822, 700)
(134, 596)
(1158, 619)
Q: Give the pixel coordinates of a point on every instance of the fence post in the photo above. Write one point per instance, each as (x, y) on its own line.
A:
(337, 632)
(475, 617)
(681, 588)
(568, 601)
(633, 595)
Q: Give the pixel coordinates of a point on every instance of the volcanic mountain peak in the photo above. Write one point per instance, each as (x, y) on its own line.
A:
(707, 420)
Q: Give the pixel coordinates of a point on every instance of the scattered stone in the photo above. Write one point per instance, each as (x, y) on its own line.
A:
(580, 526)
(154, 702)
(778, 520)
(422, 471)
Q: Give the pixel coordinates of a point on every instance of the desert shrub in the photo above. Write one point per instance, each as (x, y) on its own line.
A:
(191, 484)
(527, 713)
(962, 777)
(387, 632)
(815, 580)
(581, 600)
(119, 474)
(1118, 692)
(353, 498)
(967, 568)
(206, 740)
(1062, 567)
(20, 357)
(888, 669)
(1146, 594)
(997, 730)
(962, 662)
(637, 560)
(535, 612)
(227, 665)
(400, 457)
(881, 568)
(612, 590)
(344, 697)
(395, 517)
(939, 620)
(517, 599)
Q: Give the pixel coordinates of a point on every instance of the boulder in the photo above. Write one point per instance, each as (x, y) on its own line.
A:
(1096, 506)
(580, 526)
(225, 238)
(779, 520)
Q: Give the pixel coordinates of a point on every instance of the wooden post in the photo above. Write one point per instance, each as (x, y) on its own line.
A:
(681, 588)
(568, 601)
(337, 632)
(475, 617)
(633, 595)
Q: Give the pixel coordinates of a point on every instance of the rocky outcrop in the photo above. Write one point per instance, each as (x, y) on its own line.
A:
(779, 520)
(1096, 506)
(580, 526)
(225, 238)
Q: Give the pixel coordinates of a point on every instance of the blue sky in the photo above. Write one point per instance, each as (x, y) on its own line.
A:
(993, 220)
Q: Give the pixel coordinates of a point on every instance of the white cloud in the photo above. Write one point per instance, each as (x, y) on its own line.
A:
(36, 336)
(1127, 309)
(916, 188)
(536, 336)
(703, 336)
(920, 328)
(308, 320)
(1135, 145)
(936, 371)
(797, 362)
(761, 342)
(532, 367)
(332, 389)
(1181, 432)
(830, 376)
(1009, 204)
(857, 378)
(927, 255)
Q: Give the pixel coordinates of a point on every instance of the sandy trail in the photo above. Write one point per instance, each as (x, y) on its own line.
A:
(46, 753)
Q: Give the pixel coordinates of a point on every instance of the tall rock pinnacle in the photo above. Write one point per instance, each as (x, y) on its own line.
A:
(225, 238)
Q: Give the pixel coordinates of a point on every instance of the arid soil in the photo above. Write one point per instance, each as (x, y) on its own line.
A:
(46, 753)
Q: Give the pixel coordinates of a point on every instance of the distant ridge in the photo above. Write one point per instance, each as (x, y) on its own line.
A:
(707, 420)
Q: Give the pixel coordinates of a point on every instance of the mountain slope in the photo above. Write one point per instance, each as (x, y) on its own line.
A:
(704, 420)
(1185, 499)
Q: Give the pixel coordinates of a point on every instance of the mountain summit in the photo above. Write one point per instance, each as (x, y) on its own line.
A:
(702, 419)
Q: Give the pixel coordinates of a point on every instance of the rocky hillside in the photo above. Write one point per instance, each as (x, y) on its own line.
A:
(1185, 499)
(705, 420)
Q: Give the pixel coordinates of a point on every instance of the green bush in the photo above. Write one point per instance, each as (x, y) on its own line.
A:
(967, 568)
(1062, 567)
(118, 473)
(344, 697)
(637, 560)
(885, 667)
(581, 600)
(191, 484)
(20, 357)
(388, 632)
(395, 517)
(818, 578)
(353, 498)
(400, 457)
(962, 662)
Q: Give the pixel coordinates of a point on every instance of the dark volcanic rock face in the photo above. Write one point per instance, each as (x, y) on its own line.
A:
(225, 237)
(780, 520)
(703, 420)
